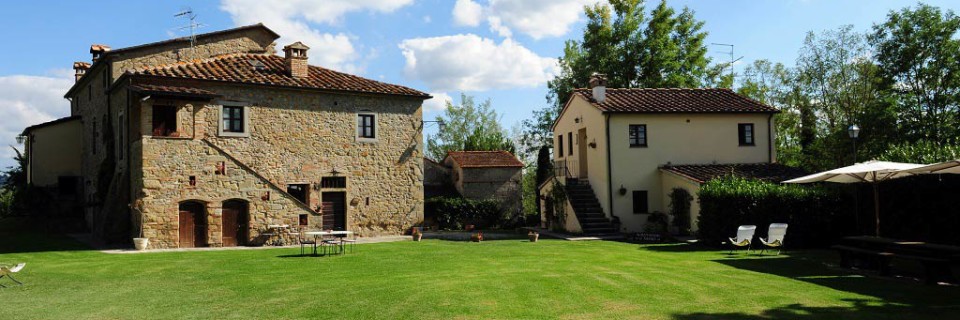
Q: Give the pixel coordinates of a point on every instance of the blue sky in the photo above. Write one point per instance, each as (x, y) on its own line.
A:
(503, 50)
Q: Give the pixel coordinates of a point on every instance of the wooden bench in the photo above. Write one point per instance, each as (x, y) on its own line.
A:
(935, 269)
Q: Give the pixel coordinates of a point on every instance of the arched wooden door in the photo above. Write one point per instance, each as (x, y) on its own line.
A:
(235, 223)
(193, 225)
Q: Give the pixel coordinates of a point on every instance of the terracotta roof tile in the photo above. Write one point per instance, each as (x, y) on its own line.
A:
(161, 89)
(771, 172)
(658, 100)
(484, 159)
(269, 69)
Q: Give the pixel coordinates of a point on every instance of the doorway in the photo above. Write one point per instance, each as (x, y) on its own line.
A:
(334, 210)
(300, 192)
(582, 154)
(235, 220)
(193, 224)
(164, 120)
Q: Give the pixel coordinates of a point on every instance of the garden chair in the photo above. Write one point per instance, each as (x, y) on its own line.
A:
(304, 241)
(330, 245)
(775, 237)
(744, 237)
(8, 272)
(351, 242)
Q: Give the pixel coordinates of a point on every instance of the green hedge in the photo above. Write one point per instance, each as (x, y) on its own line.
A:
(452, 213)
(811, 211)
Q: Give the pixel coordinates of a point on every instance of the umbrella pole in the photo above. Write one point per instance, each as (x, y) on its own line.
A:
(876, 205)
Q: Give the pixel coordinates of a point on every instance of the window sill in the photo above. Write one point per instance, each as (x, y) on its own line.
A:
(168, 138)
(748, 145)
(367, 140)
(638, 146)
(233, 134)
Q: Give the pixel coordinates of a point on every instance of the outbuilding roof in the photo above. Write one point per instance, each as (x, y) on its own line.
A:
(268, 69)
(675, 100)
(770, 172)
(484, 159)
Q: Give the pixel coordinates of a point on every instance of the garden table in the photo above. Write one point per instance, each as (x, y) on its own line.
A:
(335, 233)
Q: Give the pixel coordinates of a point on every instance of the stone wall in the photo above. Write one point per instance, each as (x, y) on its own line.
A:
(295, 137)
(501, 184)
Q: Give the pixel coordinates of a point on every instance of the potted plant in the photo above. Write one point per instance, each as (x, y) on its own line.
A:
(140, 242)
(417, 234)
(476, 237)
(534, 236)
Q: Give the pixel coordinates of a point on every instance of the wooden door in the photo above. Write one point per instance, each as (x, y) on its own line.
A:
(230, 226)
(187, 229)
(235, 218)
(193, 225)
(582, 145)
(334, 210)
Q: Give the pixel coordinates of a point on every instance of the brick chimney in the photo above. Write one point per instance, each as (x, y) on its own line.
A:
(295, 59)
(98, 50)
(598, 82)
(79, 69)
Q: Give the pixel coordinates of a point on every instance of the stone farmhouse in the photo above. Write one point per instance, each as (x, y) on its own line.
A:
(618, 153)
(216, 138)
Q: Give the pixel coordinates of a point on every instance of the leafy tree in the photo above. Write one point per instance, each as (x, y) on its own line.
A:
(837, 85)
(660, 58)
(919, 52)
(13, 186)
(469, 126)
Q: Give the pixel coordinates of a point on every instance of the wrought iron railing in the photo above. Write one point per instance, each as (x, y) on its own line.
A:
(566, 168)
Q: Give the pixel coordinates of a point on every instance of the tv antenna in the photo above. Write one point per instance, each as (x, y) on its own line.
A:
(732, 60)
(187, 12)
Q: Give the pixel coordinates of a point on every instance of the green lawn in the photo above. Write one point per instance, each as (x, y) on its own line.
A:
(443, 279)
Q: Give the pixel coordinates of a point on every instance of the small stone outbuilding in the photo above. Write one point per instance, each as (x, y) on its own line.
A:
(487, 175)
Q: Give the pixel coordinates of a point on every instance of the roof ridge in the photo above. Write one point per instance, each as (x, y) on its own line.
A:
(660, 89)
(177, 64)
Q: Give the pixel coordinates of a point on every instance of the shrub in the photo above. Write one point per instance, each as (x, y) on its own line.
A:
(656, 223)
(811, 211)
(680, 209)
(452, 213)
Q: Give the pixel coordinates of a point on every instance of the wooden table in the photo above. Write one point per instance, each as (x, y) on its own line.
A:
(937, 259)
(276, 230)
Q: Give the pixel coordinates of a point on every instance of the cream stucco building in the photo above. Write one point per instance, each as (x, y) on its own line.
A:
(614, 149)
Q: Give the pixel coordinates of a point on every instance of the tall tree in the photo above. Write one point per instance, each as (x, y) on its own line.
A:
(918, 51)
(660, 59)
(469, 126)
(666, 51)
(692, 51)
(836, 84)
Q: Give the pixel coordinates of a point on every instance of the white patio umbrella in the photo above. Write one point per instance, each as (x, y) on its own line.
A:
(952, 166)
(872, 172)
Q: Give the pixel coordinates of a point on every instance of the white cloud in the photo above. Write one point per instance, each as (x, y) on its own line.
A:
(467, 62)
(467, 13)
(437, 103)
(535, 18)
(291, 20)
(26, 101)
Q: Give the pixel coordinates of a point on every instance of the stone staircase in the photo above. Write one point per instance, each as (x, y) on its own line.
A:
(587, 208)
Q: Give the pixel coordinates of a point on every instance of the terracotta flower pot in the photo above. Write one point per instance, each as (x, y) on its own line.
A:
(417, 236)
(533, 237)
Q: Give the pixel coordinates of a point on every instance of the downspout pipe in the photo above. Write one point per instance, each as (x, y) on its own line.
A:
(606, 117)
(770, 139)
